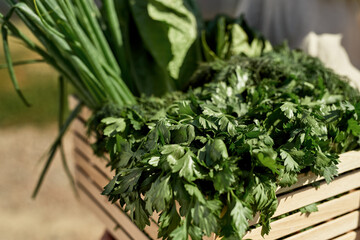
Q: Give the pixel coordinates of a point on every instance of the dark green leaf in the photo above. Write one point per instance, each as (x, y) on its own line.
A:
(158, 195)
(353, 127)
(187, 167)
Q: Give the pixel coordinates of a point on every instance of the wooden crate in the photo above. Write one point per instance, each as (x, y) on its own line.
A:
(338, 218)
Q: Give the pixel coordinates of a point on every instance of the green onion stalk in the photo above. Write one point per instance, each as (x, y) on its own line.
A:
(72, 40)
(74, 43)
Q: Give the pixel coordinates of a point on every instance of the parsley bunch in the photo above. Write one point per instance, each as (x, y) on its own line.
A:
(209, 159)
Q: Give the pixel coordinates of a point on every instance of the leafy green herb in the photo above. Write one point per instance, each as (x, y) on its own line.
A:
(221, 150)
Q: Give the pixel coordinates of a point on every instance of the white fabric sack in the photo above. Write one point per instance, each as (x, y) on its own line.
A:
(328, 48)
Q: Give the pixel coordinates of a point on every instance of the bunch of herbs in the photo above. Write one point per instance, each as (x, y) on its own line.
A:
(220, 151)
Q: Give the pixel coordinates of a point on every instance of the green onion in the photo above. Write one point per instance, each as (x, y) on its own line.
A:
(74, 43)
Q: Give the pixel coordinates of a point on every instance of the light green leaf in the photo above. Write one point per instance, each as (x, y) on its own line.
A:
(240, 215)
(174, 152)
(154, 161)
(182, 30)
(269, 163)
(227, 126)
(239, 42)
(168, 29)
(187, 167)
(289, 162)
(195, 192)
(330, 172)
(206, 123)
(287, 179)
(289, 109)
(317, 128)
(115, 125)
(180, 233)
(185, 108)
(223, 180)
(353, 127)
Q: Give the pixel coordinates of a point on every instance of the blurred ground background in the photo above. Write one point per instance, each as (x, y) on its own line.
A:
(25, 135)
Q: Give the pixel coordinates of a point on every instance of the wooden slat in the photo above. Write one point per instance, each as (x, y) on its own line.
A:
(72, 101)
(212, 237)
(114, 210)
(255, 220)
(96, 176)
(99, 162)
(332, 228)
(353, 235)
(79, 128)
(308, 195)
(347, 163)
(152, 230)
(109, 223)
(85, 111)
(299, 221)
